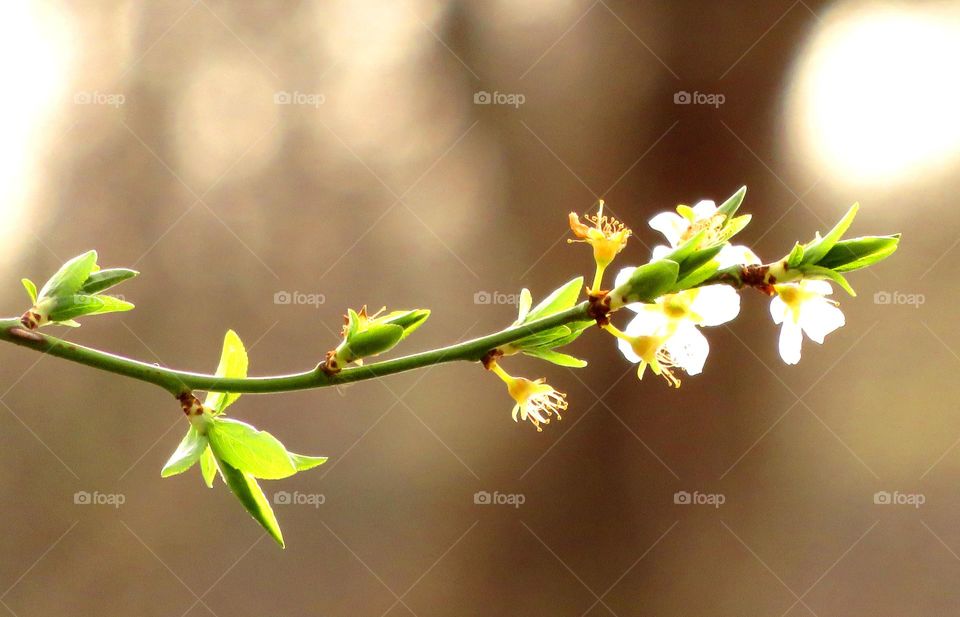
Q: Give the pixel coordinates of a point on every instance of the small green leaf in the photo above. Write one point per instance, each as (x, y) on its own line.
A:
(732, 204)
(685, 249)
(697, 277)
(647, 283)
(818, 248)
(560, 299)
(816, 272)
(857, 253)
(105, 279)
(408, 320)
(31, 289)
(304, 463)
(523, 306)
(697, 259)
(234, 364)
(253, 451)
(246, 489)
(208, 467)
(70, 277)
(556, 357)
(190, 449)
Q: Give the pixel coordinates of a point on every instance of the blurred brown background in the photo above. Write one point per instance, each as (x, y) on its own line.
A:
(235, 152)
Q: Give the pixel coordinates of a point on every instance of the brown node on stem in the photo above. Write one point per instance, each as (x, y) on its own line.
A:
(758, 277)
(490, 358)
(30, 320)
(190, 404)
(330, 366)
(599, 308)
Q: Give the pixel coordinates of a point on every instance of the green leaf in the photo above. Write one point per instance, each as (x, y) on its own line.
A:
(31, 289)
(191, 447)
(685, 249)
(304, 463)
(233, 364)
(816, 272)
(646, 283)
(697, 277)
(246, 489)
(818, 248)
(556, 357)
(105, 279)
(253, 451)
(69, 278)
(857, 253)
(208, 467)
(560, 299)
(695, 260)
(69, 307)
(732, 204)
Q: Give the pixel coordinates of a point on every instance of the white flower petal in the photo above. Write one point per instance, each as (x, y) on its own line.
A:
(671, 225)
(716, 304)
(704, 209)
(819, 317)
(736, 254)
(649, 320)
(791, 338)
(661, 251)
(816, 286)
(628, 351)
(688, 348)
(623, 276)
(779, 310)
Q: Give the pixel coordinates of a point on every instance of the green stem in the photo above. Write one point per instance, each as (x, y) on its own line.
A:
(180, 382)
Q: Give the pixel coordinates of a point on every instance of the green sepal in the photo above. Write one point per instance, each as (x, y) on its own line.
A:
(246, 489)
(186, 455)
(408, 320)
(816, 272)
(795, 257)
(647, 283)
(817, 249)
(857, 253)
(234, 364)
(70, 277)
(561, 299)
(376, 340)
(65, 308)
(31, 289)
(732, 204)
(255, 452)
(560, 359)
(734, 226)
(105, 279)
